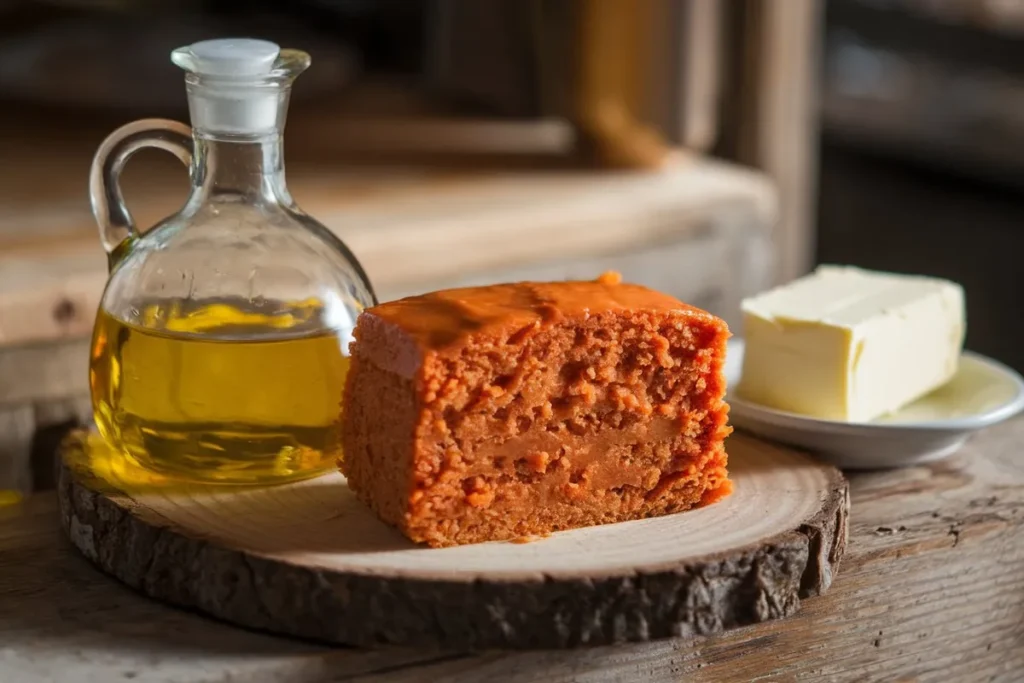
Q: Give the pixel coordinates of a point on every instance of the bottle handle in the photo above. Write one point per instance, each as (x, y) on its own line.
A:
(114, 219)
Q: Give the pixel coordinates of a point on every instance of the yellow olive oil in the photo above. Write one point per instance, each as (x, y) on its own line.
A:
(217, 392)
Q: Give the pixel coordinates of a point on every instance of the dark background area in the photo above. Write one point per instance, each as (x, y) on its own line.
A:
(922, 155)
(878, 211)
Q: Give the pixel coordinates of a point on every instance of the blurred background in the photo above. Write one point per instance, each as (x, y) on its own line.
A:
(708, 148)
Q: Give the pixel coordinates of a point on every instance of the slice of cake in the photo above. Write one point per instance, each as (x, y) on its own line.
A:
(849, 344)
(515, 410)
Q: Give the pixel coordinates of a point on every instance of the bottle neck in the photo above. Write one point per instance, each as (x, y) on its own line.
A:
(239, 170)
(238, 131)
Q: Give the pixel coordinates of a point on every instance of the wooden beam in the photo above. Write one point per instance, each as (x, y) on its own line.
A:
(773, 114)
(614, 49)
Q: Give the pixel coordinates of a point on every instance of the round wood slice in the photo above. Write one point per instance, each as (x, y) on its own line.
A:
(309, 560)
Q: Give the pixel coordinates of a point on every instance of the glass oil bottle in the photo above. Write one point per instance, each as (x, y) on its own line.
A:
(220, 349)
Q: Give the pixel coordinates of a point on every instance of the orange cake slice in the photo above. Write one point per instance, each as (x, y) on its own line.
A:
(514, 410)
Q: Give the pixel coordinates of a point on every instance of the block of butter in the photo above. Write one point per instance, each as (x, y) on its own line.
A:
(849, 344)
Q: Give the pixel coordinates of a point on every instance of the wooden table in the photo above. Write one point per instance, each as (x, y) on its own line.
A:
(931, 589)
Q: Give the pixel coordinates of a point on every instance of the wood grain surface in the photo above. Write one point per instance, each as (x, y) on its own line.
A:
(931, 589)
(309, 560)
(448, 221)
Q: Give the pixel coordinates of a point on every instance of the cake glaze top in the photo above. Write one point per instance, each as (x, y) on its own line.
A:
(444, 319)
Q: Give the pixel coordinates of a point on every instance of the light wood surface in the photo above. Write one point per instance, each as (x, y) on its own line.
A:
(309, 560)
(931, 589)
(408, 226)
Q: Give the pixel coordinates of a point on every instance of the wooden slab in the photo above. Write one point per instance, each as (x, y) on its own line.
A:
(931, 589)
(308, 560)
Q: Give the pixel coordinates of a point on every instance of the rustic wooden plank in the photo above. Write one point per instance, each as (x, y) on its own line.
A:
(43, 372)
(26, 457)
(447, 136)
(17, 425)
(79, 628)
(515, 219)
(324, 582)
(50, 293)
(40, 386)
(447, 225)
(931, 589)
(713, 269)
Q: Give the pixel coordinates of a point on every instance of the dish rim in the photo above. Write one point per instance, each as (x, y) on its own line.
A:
(968, 423)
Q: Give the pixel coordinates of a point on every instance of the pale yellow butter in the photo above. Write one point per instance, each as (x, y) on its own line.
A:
(850, 344)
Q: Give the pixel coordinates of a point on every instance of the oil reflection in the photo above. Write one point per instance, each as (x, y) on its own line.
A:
(111, 470)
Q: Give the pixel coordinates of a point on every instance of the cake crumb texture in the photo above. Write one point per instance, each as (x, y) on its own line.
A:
(512, 411)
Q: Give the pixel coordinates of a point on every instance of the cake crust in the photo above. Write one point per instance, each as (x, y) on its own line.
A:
(515, 410)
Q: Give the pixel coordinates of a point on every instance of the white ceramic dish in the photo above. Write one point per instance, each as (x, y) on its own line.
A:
(982, 393)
